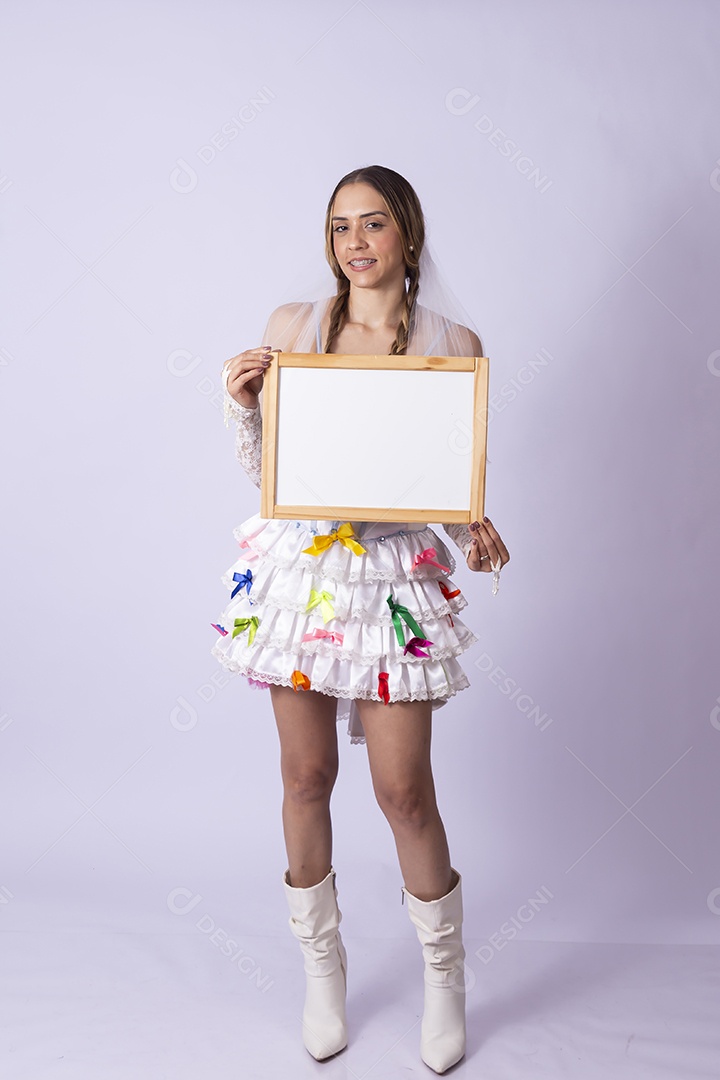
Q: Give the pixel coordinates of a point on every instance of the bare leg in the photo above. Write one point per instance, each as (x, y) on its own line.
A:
(306, 723)
(398, 739)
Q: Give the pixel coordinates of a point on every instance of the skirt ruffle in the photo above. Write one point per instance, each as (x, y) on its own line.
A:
(347, 645)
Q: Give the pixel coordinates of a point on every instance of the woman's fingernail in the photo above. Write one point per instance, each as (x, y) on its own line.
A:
(486, 519)
(476, 525)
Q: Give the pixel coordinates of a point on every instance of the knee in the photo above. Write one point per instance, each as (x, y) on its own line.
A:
(407, 805)
(309, 784)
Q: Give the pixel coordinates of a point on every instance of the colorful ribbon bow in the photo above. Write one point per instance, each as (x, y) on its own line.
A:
(300, 681)
(323, 599)
(415, 646)
(383, 690)
(318, 634)
(244, 624)
(428, 556)
(220, 629)
(243, 581)
(248, 554)
(398, 612)
(446, 592)
(344, 535)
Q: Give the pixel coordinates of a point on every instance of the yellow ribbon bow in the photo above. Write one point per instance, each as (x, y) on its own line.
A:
(344, 534)
(243, 624)
(323, 599)
(300, 681)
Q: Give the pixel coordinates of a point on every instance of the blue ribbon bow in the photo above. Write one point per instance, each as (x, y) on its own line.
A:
(243, 581)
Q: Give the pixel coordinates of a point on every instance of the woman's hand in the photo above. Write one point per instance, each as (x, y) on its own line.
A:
(487, 547)
(244, 373)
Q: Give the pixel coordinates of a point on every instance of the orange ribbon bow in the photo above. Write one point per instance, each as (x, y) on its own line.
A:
(446, 592)
(300, 681)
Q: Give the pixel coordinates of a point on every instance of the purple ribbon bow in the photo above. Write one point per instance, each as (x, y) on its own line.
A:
(415, 646)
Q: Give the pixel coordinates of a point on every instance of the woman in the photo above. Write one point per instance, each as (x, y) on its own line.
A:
(375, 244)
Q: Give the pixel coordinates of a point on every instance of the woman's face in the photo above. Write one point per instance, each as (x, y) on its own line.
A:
(365, 239)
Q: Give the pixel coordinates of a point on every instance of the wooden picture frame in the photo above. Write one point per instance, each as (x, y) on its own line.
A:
(374, 438)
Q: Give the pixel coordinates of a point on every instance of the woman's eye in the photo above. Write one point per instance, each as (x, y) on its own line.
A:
(376, 223)
(339, 228)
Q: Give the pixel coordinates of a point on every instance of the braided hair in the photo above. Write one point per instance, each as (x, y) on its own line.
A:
(406, 213)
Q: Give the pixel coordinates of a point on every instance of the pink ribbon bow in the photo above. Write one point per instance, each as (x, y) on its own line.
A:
(251, 554)
(416, 645)
(428, 556)
(334, 637)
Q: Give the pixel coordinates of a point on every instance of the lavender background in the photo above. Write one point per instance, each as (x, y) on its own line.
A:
(142, 247)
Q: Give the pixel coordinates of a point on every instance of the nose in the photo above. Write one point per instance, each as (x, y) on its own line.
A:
(357, 237)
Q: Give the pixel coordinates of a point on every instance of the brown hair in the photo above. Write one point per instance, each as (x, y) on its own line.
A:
(406, 213)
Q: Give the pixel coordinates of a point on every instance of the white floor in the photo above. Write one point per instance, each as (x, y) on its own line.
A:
(101, 1005)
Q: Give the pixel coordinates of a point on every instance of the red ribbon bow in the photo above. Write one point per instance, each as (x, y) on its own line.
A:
(383, 690)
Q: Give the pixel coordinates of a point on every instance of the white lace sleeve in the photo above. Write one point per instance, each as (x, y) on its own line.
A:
(248, 437)
(460, 534)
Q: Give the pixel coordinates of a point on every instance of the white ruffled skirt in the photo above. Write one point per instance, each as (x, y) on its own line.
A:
(323, 621)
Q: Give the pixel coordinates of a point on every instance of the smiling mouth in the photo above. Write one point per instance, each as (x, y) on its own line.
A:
(360, 264)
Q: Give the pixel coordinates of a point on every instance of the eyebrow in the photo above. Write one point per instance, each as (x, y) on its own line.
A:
(373, 213)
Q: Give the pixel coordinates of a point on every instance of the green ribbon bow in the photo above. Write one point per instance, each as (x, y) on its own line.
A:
(323, 599)
(243, 624)
(398, 612)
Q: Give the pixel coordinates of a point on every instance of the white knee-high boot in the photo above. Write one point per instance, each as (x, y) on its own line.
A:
(314, 920)
(439, 928)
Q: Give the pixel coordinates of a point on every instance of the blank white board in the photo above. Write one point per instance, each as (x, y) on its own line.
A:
(355, 437)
